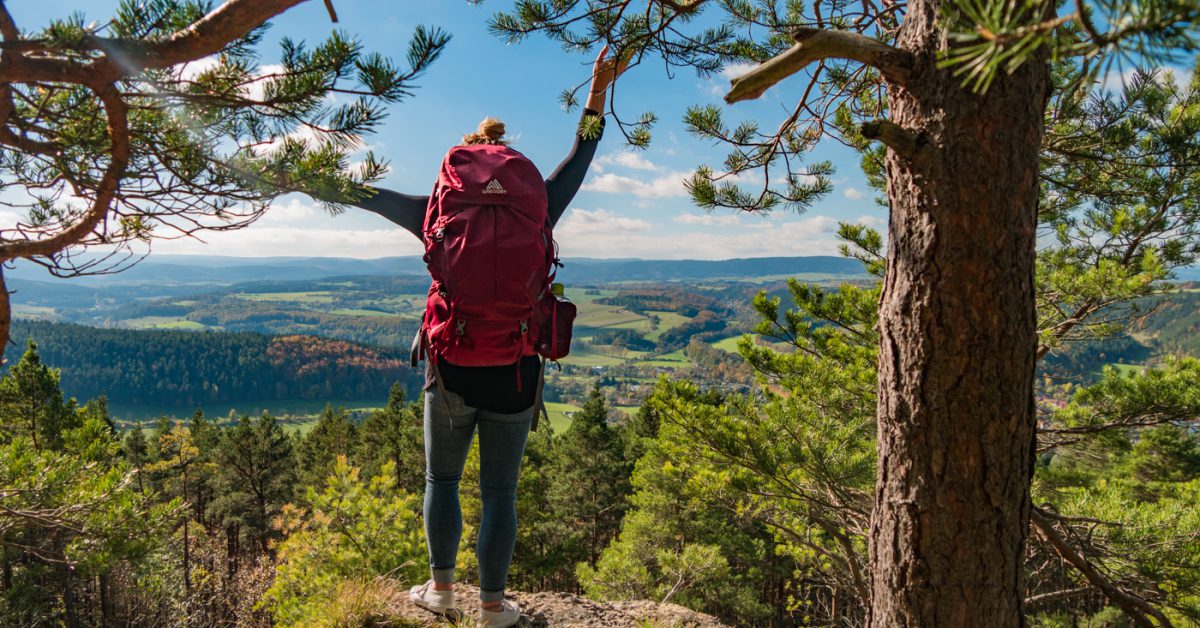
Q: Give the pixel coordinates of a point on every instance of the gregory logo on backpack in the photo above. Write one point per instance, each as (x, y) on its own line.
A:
(494, 187)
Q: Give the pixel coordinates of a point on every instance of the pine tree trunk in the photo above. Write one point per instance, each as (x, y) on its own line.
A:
(956, 363)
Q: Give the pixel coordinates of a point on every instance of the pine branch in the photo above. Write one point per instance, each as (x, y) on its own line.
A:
(814, 44)
(1135, 607)
(106, 191)
(207, 36)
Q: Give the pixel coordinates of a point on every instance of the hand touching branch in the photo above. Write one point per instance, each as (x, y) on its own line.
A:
(604, 72)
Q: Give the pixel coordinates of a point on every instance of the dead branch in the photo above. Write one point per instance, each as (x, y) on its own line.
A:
(894, 136)
(1135, 607)
(814, 44)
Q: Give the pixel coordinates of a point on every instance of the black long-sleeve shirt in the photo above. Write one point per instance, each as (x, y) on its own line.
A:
(493, 388)
(408, 210)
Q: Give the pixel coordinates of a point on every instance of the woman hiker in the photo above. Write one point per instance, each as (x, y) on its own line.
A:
(496, 400)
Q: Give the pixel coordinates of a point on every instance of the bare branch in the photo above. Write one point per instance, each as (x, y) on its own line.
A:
(814, 44)
(1135, 607)
(332, 11)
(106, 191)
(206, 36)
(1055, 596)
(894, 136)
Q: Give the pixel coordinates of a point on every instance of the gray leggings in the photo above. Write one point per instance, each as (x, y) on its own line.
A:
(448, 434)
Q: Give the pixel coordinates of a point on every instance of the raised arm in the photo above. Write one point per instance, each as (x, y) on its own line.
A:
(562, 185)
(405, 210)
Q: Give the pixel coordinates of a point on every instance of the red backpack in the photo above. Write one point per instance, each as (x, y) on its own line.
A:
(490, 250)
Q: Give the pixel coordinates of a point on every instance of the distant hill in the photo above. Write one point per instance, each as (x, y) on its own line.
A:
(195, 270)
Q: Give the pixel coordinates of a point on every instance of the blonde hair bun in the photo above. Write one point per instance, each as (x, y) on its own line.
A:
(491, 131)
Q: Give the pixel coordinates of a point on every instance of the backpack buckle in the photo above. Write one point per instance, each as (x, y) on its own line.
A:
(524, 327)
(439, 234)
(460, 327)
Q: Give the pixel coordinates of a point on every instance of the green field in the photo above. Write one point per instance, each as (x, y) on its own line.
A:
(164, 322)
(587, 355)
(728, 344)
(346, 311)
(674, 359)
(319, 296)
(559, 415)
(1127, 370)
(666, 322)
(33, 311)
(578, 295)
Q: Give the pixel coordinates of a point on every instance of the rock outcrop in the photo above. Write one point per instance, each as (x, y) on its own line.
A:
(567, 610)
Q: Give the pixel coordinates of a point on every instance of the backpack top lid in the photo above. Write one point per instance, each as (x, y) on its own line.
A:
(491, 174)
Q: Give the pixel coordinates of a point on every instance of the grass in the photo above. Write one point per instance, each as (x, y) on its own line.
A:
(578, 295)
(666, 322)
(312, 296)
(728, 344)
(560, 413)
(599, 316)
(164, 322)
(587, 357)
(630, 411)
(1127, 370)
(674, 359)
(346, 311)
(33, 311)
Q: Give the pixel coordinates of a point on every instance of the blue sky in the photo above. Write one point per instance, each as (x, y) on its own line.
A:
(633, 203)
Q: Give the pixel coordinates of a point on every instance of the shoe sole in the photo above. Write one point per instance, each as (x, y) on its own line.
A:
(452, 614)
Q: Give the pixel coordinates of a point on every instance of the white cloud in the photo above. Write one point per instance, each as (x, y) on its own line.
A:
(293, 213)
(583, 222)
(667, 185)
(256, 88)
(852, 194)
(627, 159)
(1115, 81)
(734, 70)
(713, 220)
(190, 70)
(600, 233)
(878, 223)
(312, 241)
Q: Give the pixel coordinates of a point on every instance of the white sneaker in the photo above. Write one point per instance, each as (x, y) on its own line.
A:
(440, 602)
(508, 615)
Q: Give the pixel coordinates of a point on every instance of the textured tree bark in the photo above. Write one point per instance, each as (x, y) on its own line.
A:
(957, 344)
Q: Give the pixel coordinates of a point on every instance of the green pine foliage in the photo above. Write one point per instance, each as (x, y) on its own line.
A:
(677, 544)
(589, 481)
(73, 515)
(394, 434)
(342, 556)
(333, 436)
(31, 404)
(256, 466)
(205, 142)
